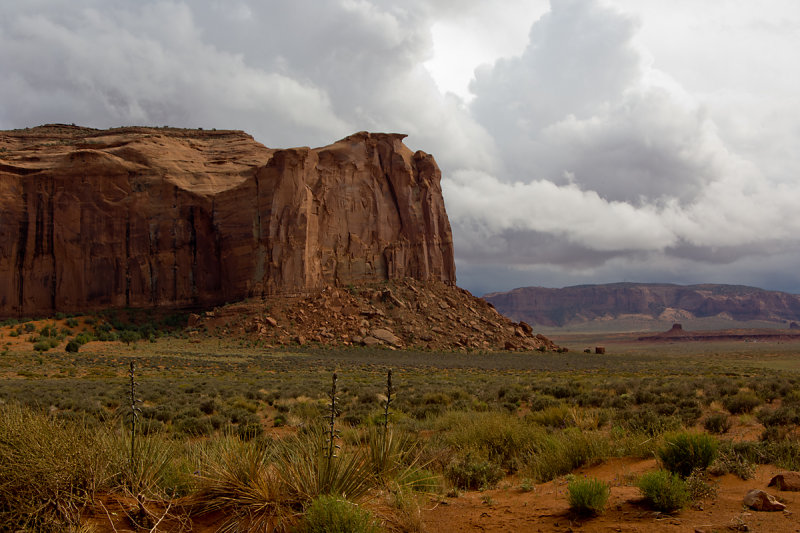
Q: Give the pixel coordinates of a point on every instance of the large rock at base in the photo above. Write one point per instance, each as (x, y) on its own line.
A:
(386, 336)
(159, 217)
(759, 500)
(787, 481)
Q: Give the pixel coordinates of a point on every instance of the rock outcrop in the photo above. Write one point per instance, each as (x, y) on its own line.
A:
(664, 302)
(160, 217)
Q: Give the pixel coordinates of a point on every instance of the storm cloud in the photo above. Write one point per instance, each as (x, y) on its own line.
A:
(597, 141)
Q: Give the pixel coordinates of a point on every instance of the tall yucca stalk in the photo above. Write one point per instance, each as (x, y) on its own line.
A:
(388, 401)
(134, 414)
(331, 431)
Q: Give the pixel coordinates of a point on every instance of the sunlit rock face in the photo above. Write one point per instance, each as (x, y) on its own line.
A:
(159, 217)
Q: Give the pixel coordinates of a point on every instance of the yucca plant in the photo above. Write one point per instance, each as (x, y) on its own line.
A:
(146, 475)
(238, 481)
(308, 471)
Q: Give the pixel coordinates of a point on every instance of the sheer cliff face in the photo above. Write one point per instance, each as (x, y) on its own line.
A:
(150, 217)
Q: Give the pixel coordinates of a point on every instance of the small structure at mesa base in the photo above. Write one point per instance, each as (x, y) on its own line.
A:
(600, 350)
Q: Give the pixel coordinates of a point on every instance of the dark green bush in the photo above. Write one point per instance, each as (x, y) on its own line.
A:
(742, 402)
(588, 496)
(682, 453)
(717, 423)
(782, 416)
(664, 491)
(647, 421)
(42, 346)
(471, 473)
(129, 335)
(329, 514)
(195, 427)
(208, 406)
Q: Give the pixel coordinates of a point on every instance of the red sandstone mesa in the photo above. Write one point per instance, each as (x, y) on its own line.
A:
(158, 217)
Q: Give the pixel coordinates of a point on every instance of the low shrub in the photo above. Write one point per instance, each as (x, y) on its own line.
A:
(501, 438)
(554, 454)
(49, 470)
(782, 416)
(588, 496)
(557, 416)
(742, 402)
(699, 487)
(194, 426)
(682, 453)
(329, 514)
(717, 423)
(72, 347)
(42, 346)
(647, 421)
(664, 491)
(471, 473)
(731, 461)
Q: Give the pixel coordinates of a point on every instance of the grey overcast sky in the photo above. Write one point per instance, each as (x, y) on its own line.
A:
(580, 141)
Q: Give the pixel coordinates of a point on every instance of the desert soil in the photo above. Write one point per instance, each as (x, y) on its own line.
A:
(545, 509)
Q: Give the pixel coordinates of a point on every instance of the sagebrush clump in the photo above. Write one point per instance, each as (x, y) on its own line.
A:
(664, 491)
(588, 496)
(682, 453)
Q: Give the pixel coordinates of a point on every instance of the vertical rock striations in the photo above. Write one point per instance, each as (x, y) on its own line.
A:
(156, 217)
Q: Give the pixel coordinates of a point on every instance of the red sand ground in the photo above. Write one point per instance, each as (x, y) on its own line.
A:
(545, 508)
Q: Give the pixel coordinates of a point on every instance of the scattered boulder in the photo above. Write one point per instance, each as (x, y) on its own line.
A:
(787, 481)
(369, 340)
(271, 321)
(387, 336)
(759, 500)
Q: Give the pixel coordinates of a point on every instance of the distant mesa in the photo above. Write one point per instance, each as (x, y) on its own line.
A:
(645, 303)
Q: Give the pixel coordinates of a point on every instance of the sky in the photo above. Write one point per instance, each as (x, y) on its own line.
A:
(580, 141)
